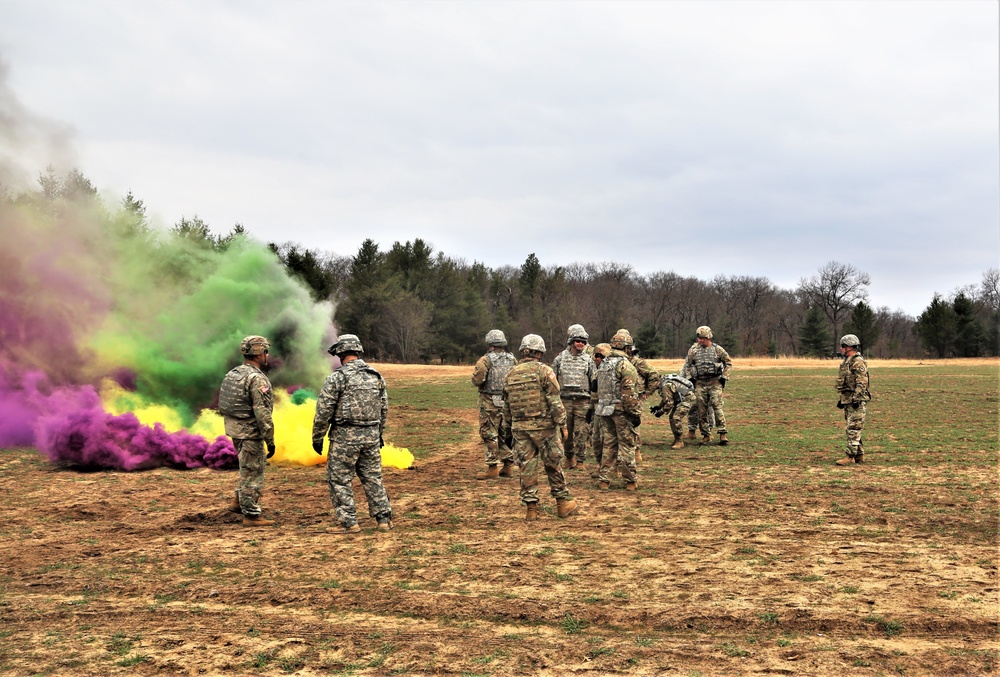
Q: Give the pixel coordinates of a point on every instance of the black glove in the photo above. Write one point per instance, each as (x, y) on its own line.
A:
(270, 449)
(855, 405)
(318, 447)
(722, 382)
(634, 419)
(657, 411)
(507, 437)
(589, 416)
(840, 405)
(381, 442)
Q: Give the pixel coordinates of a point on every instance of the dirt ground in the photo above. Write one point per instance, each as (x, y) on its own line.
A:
(717, 565)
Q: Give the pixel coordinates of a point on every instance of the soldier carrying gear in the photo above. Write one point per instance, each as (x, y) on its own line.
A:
(346, 343)
(676, 399)
(576, 332)
(575, 369)
(709, 366)
(532, 343)
(488, 376)
(852, 385)
(617, 413)
(704, 332)
(246, 402)
(621, 340)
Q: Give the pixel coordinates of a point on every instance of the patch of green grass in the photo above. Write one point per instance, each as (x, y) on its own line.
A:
(134, 659)
(890, 627)
(573, 626)
(734, 651)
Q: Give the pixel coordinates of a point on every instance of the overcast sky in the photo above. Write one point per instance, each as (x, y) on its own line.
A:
(708, 138)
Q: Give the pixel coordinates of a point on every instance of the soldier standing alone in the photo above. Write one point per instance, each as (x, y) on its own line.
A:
(245, 402)
(852, 385)
(575, 369)
(709, 366)
(352, 406)
(488, 375)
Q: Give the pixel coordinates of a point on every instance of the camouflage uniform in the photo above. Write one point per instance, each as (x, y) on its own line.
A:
(353, 405)
(852, 385)
(488, 375)
(617, 396)
(535, 414)
(705, 365)
(649, 378)
(245, 402)
(574, 373)
(677, 398)
(693, 414)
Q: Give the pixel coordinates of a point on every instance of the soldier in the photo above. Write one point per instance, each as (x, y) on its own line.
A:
(488, 375)
(246, 402)
(574, 368)
(852, 385)
(352, 407)
(532, 411)
(693, 414)
(601, 350)
(617, 413)
(709, 366)
(649, 379)
(676, 400)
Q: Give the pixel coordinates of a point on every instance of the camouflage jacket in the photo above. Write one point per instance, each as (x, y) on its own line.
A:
(245, 402)
(574, 373)
(617, 386)
(707, 363)
(491, 370)
(649, 378)
(531, 398)
(853, 380)
(353, 395)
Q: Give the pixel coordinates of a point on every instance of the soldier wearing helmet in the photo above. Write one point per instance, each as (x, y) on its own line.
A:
(617, 413)
(601, 350)
(534, 413)
(575, 369)
(488, 376)
(708, 365)
(852, 386)
(246, 402)
(351, 410)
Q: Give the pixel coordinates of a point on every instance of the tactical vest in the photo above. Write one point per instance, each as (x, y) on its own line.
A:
(524, 392)
(609, 386)
(500, 365)
(360, 401)
(707, 364)
(234, 395)
(573, 381)
(847, 380)
(683, 385)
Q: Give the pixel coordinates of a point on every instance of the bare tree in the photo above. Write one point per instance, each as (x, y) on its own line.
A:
(404, 324)
(835, 291)
(989, 290)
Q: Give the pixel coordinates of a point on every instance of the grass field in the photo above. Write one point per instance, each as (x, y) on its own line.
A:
(761, 556)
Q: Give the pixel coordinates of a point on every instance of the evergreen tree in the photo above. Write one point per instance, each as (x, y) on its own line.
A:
(814, 337)
(936, 327)
(864, 324)
(970, 339)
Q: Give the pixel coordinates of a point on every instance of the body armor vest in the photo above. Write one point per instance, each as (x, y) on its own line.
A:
(683, 385)
(847, 380)
(707, 364)
(361, 400)
(500, 365)
(573, 381)
(524, 392)
(234, 395)
(609, 386)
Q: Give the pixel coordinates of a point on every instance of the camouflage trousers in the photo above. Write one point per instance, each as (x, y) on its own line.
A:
(252, 462)
(693, 417)
(576, 424)
(534, 448)
(490, 418)
(855, 419)
(709, 397)
(620, 442)
(355, 450)
(681, 413)
(597, 440)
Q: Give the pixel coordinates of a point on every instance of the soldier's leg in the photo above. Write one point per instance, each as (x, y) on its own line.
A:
(527, 459)
(715, 401)
(571, 429)
(597, 444)
(680, 413)
(701, 393)
(628, 443)
(488, 427)
(550, 450)
(369, 469)
(855, 427)
(609, 457)
(252, 462)
(341, 461)
(580, 438)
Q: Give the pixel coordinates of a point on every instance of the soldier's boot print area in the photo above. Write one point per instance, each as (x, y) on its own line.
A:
(256, 521)
(723, 440)
(678, 443)
(235, 505)
(508, 469)
(491, 472)
(531, 514)
(847, 460)
(565, 507)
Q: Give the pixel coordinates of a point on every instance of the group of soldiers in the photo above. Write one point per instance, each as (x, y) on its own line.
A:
(351, 410)
(542, 417)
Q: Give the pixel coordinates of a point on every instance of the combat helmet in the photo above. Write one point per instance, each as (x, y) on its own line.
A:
(346, 343)
(602, 349)
(532, 342)
(254, 345)
(850, 340)
(576, 331)
(704, 332)
(495, 337)
(621, 340)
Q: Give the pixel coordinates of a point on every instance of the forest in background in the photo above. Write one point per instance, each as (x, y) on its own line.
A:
(409, 303)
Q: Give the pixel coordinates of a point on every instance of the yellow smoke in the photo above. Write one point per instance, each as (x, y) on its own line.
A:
(292, 425)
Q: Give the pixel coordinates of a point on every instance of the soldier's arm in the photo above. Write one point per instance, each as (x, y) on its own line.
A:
(860, 370)
(550, 386)
(262, 400)
(480, 371)
(326, 407)
(727, 362)
(384, 413)
(630, 389)
(653, 380)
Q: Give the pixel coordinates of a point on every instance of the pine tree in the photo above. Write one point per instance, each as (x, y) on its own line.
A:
(863, 323)
(936, 327)
(814, 337)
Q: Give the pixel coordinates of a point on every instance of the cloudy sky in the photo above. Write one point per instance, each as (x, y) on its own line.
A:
(708, 138)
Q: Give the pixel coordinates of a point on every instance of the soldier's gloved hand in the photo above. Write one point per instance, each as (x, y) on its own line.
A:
(381, 442)
(855, 405)
(564, 433)
(722, 382)
(270, 449)
(318, 447)
(840, 405)
(589, 416)
(634, 419)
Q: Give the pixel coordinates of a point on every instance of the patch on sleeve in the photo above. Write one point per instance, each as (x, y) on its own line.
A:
(264, 390)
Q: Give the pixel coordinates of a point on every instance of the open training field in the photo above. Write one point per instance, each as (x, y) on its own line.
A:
(759, 557)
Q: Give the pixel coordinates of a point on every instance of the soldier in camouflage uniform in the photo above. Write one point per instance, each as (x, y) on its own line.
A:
(693, 414)
(245, 402)
(649, 378)
(852, 385)
(575, 369)
(352, 408)
(709, 366)
(617, 413)
(601, 350)
(488, 375)
(534, 413)
(676, 401)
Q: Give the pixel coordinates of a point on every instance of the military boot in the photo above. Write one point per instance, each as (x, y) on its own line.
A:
(638, 457)
(723, 441)
(678, 442)
(706, 439)
(235, 506)
(531, 513)
(384, 524)
(859, 458)
(631, 486)
(256, 521)
(565, 507)
(604, 486)
(351, 530)
(691, 435)
(492, 472)
(507, 470)
(847, 460)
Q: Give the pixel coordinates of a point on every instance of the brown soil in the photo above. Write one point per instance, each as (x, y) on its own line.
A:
(148, 572)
